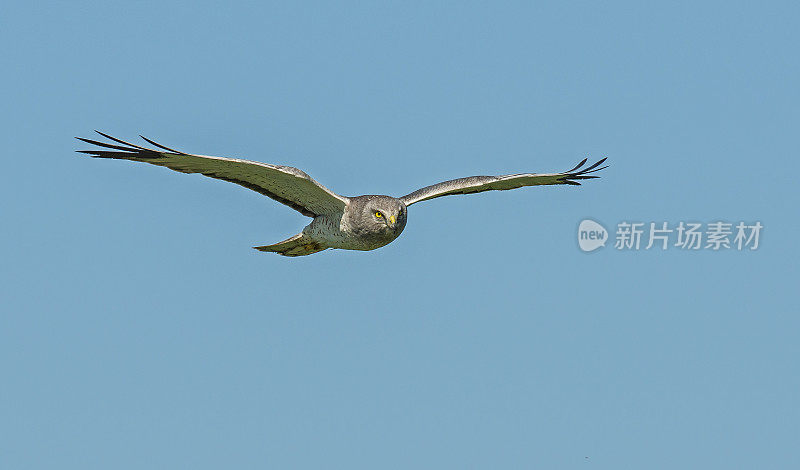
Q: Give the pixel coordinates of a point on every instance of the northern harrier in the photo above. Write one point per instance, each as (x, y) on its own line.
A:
(350, 223)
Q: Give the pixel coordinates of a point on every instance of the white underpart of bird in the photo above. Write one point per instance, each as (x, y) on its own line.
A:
(350, 223)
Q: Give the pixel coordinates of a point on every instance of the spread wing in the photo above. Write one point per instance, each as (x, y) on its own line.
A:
(284, 184)
(477, 184)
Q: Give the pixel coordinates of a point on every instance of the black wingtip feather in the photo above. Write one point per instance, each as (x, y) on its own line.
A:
(129, 150)
(103, 144)
(571, 176)
(122, 141)
(598, 169)
(582, 177)
(577, 166)
(161, 146)
(595, 165)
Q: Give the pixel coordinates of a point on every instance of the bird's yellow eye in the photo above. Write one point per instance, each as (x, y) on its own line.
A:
(378, 215)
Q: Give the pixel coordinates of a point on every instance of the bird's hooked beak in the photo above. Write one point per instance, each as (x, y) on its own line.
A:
(392, 221)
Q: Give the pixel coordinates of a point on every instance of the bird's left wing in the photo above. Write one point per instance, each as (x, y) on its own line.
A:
(477, 184)
(284, 184)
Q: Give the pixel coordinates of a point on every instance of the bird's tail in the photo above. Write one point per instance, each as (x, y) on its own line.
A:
(298, 245)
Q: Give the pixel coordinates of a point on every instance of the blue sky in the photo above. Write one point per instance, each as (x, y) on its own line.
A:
(140, 330)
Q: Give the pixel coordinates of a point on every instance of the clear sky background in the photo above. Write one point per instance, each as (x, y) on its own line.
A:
(140, 330)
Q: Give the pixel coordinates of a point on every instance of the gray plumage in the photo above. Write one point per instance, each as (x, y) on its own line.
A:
(350, 223)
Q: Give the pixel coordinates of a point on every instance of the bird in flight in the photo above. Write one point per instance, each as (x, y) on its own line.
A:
(351, 223)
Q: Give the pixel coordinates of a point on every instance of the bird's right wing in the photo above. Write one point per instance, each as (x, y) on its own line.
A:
(477, 184)
(284, 184)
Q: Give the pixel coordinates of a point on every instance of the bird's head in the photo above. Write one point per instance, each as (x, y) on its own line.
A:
(383, 215)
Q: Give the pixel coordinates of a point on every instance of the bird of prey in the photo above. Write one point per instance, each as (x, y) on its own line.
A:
(351, 223)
